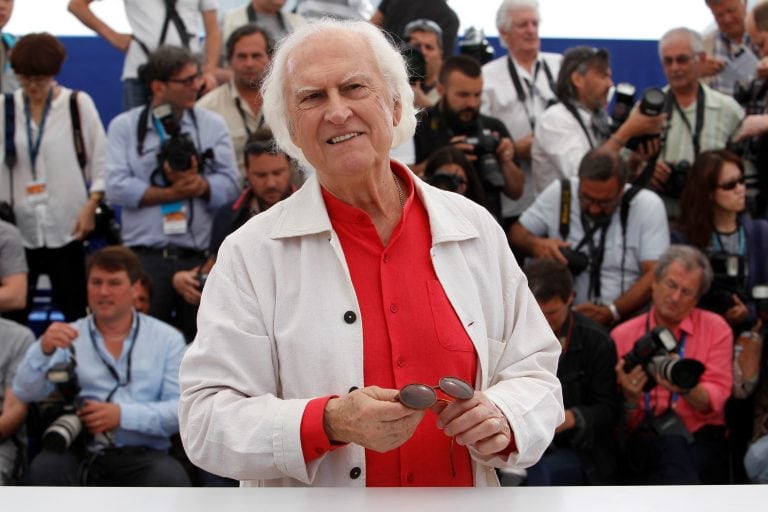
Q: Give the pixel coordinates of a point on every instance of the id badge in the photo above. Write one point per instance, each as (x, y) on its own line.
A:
(37, 193)
(174, 218)
(732, 266)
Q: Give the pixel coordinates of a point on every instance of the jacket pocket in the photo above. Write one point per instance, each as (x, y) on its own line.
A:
(448, 329)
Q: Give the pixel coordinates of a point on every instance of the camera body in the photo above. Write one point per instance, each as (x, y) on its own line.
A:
(752, 96)
(178, 151)
(678, 174)
(653, 102)
(484, 146)
(474, 44)
(445, 180)
(66, 427)
(414, 63)
(729, 272)
(577, 260)
(653, 352)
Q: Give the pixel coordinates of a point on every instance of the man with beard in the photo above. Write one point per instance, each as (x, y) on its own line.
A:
(612, 259)
(579, 122)
(456, 120)
(239, 100)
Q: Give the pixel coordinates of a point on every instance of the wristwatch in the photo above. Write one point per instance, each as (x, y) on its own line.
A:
(614, 312)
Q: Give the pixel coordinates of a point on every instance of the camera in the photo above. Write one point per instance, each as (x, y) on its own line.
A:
(63, 430)
(653, 102)
(577, 261)
(653, 352)
(414, 63)
(474, 44)
(484, 147)
(445, 180)
(752, 96)
(728, 270)
(178, 152)
(678, 174)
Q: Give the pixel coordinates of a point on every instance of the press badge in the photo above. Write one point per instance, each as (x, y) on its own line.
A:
(174, 218)
(37, 193)
(732, 266)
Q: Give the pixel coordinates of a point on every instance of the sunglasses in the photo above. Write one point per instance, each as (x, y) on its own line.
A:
(424, 25)
(421, 396)
(732, 184)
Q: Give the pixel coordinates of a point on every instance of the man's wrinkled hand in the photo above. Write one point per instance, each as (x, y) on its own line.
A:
(476, 423)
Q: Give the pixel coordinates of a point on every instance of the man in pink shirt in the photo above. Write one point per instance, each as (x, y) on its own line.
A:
(677, 433)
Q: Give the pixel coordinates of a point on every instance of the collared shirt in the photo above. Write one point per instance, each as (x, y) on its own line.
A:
(708, 339)
(411, 334)
(559, 144)
(224, 101)
(237, 17)
(647, 237)
(500, 100)
(51, 224)
(717, 45)
(129, 174)
(149, 399)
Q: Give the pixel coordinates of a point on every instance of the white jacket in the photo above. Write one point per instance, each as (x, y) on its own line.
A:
(272, 335)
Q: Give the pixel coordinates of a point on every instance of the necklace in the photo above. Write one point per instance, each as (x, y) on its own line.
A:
(399, 191)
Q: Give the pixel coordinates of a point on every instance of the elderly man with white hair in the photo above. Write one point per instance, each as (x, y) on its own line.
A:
(370, 330)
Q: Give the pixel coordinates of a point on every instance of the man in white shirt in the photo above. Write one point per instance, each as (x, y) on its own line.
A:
(153, 25)
(268, 15)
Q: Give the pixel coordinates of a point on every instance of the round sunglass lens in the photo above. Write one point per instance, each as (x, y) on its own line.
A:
(417, 396)
(456, 388)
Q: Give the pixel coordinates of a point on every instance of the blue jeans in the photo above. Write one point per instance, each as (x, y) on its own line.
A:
(559, 467)
(756, 461)
(135, 93)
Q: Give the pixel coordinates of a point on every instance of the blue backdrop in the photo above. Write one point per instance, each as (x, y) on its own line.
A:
(94, 66)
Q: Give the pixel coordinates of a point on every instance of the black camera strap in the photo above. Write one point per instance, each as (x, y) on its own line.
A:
(531, 86)
(679, 350)
(171, 16)
(694, 131)
(110, 368)
(575, 113)
(253, 17)
(596, 253)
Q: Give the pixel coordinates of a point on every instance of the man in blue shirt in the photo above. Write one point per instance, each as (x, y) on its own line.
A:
(170, 166)
(124, 391)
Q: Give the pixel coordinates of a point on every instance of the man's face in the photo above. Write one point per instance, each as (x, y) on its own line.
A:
(429, 45)
(249, 60)
(680, 63)
(110, 294)
(142, 301)
(759, 37)
(269, 176)
(729, 16)
(593, 87)
(6, 8)
(556, 311)
(181, 89)
(523, 35)
(340, 111)
(461, 95)
(676, 293)
(599, 199)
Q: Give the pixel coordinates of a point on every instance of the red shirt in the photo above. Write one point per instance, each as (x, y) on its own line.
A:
(410, 334)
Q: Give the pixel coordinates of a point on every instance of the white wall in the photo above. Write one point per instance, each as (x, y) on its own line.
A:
(608, 19)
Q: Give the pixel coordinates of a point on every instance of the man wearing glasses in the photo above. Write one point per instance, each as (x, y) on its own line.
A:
(170, 165)
(579, 122)
(688, 446)
(700, 118)
(579, 222)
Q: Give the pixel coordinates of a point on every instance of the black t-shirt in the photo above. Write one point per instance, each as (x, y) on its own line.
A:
(398, 13)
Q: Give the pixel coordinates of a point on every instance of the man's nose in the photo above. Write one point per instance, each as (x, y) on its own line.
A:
(337, 110)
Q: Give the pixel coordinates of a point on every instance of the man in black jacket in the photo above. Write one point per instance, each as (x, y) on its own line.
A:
(582, 451)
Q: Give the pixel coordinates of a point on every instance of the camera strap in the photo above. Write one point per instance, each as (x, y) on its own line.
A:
(679, 350)
(531, 86)
(596, 253)
(254, 18)
(110, 368)
(575, 113)
(694, 131)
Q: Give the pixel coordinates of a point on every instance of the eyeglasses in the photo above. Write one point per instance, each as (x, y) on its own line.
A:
(586, 201)
(38, 80)
(732, 184)
(422, 24)
(421, 396)
(680, 60)
(186, 82)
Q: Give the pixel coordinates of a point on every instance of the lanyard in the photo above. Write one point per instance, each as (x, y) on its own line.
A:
(596, 254)
(241, 111)
(681, 352)
(575, 113)
(718, 243)
(532, 89)
(110, 368)
(34, 147)
(695, 132)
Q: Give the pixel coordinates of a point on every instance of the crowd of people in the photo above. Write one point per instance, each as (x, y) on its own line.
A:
(582, 291)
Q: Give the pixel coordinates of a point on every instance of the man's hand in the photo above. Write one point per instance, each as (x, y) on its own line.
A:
(476, 423)
(119, 40)
(370, 417)
(523, 147)
(58, 335)
(86, 220)
(710, 66)
(460, 143)
(99, 416)
(751, 126)
(737, 313)
(505, 151)
(631, 383)
(549, 248)
(660, 175)
(640, 124)
(598, 313)
(188, 182)
(568, 424)
(186, 284)
(419, 98)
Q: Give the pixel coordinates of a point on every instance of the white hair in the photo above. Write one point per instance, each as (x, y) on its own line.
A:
(388, 60)
(504, 14)
(694, 39)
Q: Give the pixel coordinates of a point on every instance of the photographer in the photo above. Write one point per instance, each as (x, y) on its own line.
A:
(579, 122)
(426, 37)
(121, 380)
(170, 165)
(450, 169)
(456, 120)
(700, 118)
(611, 255)
(676, 433)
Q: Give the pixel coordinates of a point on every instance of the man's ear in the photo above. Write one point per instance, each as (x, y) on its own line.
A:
(397, 112)
(577, 79)
(157, 88)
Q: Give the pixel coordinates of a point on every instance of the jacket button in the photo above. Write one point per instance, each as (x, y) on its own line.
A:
(355, 473)
(350, 317)
(353, 388)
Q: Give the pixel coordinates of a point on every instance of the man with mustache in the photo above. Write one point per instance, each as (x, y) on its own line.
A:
(239, 100)
(456, 120)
